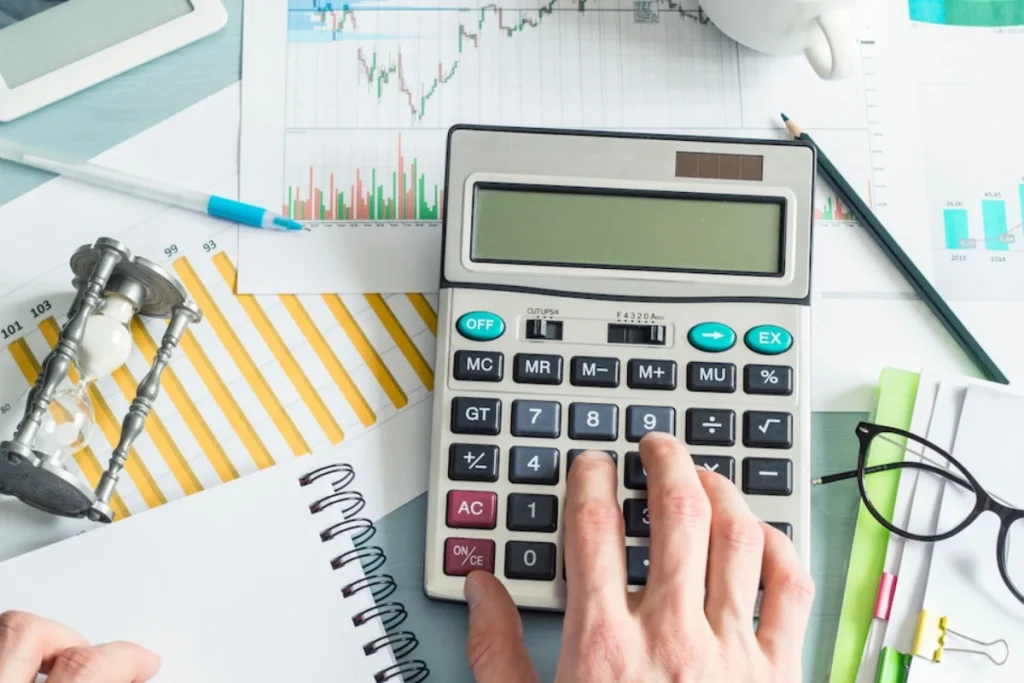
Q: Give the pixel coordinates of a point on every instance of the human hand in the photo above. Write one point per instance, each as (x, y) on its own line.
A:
(693, 621)
(31, 645)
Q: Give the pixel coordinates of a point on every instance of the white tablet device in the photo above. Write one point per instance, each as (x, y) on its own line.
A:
(50, 49)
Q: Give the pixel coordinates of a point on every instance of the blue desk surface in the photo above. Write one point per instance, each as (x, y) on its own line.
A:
(107, 114)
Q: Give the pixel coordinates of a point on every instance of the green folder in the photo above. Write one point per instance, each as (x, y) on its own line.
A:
(897, 393)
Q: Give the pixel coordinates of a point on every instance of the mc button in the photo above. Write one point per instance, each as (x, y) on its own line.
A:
(480, 326)
(768, 339)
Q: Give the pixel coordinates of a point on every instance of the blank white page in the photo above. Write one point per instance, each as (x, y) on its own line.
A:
(232, 584)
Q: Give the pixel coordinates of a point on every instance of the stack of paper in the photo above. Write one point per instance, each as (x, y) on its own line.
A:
(957, 578)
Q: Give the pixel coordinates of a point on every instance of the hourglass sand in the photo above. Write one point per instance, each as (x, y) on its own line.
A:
(113, 287)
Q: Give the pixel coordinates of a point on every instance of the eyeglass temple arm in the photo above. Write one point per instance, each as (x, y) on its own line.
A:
(841, 476)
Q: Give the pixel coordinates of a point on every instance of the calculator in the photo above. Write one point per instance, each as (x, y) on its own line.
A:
(595, 287)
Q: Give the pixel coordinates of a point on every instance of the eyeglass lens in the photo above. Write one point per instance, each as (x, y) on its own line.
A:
(942, 497)
(1015, 555)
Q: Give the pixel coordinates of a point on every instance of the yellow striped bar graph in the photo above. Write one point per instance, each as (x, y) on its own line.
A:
(223, 413)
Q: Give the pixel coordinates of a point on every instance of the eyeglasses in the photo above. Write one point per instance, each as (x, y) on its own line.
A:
(936, 477)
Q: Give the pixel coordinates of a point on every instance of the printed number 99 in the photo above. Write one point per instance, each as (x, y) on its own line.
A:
(171, 250)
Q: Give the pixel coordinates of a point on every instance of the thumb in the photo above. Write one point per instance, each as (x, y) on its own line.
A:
(495, 649)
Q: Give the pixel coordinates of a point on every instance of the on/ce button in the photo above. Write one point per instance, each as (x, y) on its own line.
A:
(480, 326)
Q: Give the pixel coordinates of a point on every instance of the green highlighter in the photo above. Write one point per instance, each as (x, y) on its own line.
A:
(893, 666)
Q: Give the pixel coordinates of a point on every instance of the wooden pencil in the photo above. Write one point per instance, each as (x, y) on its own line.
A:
(899, 258)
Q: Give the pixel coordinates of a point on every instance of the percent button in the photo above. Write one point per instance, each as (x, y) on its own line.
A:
(776, 380)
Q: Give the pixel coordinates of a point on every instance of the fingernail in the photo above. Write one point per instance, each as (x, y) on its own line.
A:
(592, 454)
(473, 591)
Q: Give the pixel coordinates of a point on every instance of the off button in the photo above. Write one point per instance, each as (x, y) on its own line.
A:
(480, 326)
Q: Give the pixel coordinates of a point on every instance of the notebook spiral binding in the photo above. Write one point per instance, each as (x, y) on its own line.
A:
(390, 614)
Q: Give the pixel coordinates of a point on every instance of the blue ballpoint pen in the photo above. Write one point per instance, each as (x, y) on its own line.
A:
(211, 204)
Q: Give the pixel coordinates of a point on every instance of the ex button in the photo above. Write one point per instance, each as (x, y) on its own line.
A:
(480, 326)
(768, 339)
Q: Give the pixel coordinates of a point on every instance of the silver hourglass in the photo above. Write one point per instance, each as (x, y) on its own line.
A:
(113, 286)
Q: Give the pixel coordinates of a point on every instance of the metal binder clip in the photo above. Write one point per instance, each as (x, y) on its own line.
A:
(933, 634)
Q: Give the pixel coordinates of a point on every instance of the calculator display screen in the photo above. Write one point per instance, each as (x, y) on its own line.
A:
(603, 228)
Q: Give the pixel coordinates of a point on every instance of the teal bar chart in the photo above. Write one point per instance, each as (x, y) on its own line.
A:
(993, 216)
(955, 221)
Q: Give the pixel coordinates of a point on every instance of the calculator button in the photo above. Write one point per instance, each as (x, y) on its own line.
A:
(480, 326)
(637, 564)
(722, 464)
(784, 527)
(472, 509)
(638, 520)
(538, 328)
(465, 555)
(535, 368)
(530, 561)
(643, 419)
(768, 476)
(532, 512)
(707, 427)
(476, 415)
(473, 462)
(651, 374)
(635, 476)
(531, 465)
(594, 371)
(768, 339)
(767, 430)
(478, 366)
(711, 337)
(573, 452)
(536, 418)
(776, 380)
(596, 421)
(717, 377)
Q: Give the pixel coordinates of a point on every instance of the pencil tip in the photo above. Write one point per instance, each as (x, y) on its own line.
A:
(785, 118)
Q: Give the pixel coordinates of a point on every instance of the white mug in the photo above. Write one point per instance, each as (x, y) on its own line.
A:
(822, 29)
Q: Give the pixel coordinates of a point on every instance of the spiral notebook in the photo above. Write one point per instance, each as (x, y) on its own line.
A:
(273, 577)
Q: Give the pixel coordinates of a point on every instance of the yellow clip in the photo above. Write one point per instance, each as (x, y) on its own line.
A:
(933, 633)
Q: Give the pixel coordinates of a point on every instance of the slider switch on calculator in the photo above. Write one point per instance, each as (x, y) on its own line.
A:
(543, 329)
(636, 334)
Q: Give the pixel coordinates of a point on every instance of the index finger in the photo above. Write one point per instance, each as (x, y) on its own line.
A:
(595, 541)
(29, 644)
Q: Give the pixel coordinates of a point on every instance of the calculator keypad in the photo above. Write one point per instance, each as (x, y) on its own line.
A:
(522, 408)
